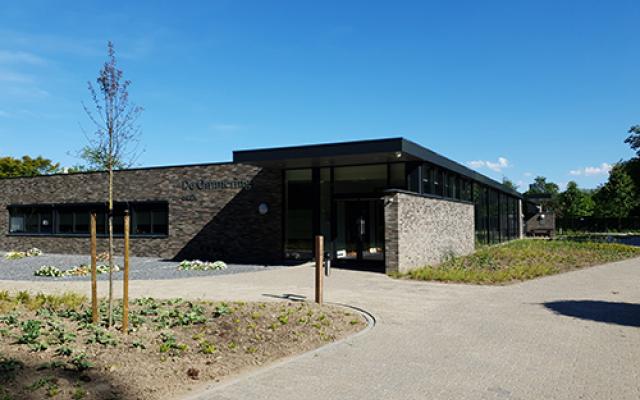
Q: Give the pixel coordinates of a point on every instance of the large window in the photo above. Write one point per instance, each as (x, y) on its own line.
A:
(299, 213)
(147, 219)
(36, 220)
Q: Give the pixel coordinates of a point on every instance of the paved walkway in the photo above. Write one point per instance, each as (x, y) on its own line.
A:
(569, 336)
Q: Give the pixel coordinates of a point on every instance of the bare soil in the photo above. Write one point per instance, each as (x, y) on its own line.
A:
(174, 345)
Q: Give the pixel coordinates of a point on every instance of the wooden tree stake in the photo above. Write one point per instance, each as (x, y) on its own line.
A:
(125, 280)
(94, 283)
(319, 272)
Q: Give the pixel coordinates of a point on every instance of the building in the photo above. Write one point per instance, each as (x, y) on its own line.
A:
(387, 204)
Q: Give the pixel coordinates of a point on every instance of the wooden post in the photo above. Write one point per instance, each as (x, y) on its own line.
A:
(125, 280)
(94, 284)
(319, 272)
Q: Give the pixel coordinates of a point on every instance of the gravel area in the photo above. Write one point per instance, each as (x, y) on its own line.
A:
(140, 268)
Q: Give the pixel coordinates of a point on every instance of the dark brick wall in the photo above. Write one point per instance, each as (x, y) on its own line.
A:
(214, 224)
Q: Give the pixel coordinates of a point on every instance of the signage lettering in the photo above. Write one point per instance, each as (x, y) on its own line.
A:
(204, 184)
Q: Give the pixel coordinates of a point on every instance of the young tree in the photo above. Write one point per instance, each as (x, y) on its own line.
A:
(27, 166)
(113, 144)
(575, 202)
(617, 197)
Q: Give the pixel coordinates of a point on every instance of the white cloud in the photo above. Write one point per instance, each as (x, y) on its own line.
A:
(602, 169)
(528, 174)
(20, 57)
(497, 166)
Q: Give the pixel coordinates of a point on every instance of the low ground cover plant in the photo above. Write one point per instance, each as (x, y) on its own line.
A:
(50, 348)
(521, 260)
(80, 270)
(197, 265)
(16, 255)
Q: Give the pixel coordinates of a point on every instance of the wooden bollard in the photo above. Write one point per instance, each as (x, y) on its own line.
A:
(94, 283)
(125, 280)
(319, 267)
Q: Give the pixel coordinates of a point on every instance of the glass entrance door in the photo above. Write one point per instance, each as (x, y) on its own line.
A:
(359, 231)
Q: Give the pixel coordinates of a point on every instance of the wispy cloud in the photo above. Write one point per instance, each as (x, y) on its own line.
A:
(20, 57)
(14, 77)
(496, 166)
(528, 174)
(602, 169)
(225, 128)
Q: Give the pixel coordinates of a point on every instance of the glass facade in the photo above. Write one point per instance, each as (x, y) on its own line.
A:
(147, 219)
(343, 204)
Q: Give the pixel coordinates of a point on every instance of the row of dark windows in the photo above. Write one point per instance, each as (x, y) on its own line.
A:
(496, 213)
(147, 219)
(428, 179)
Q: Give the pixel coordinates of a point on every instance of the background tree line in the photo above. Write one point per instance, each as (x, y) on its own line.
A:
(619, 197)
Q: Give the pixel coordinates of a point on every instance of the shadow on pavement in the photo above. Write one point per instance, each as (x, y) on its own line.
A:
(627, 314)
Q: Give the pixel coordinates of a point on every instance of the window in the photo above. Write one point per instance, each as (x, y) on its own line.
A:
(149, 218)
(437, 181)
(397, 178)
(299, 213)
(427, 179)
(30, 220)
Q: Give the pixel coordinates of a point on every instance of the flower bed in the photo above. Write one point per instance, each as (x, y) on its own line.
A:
(51, 349)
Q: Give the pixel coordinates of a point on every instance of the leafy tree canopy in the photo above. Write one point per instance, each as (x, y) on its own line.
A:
(541, 186)
(617, 197)
(575, 202)
(509, 183)
(27, 166)
(634, 139)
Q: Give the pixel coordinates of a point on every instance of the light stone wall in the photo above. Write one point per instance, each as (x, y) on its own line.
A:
(422, 231)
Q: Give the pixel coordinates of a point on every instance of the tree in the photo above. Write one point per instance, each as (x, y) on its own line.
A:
(632, 168)
(575, 202)
(27, 166)
(541, 186)
(509, 183)
(617, 197)
(113, 144)
(634, 139)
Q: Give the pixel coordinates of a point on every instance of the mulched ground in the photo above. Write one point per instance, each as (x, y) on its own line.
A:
(140, 268)
(176, 345)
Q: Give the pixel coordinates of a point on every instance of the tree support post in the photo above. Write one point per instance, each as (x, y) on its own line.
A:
(94, 283)
(319, 272)
(125, 280)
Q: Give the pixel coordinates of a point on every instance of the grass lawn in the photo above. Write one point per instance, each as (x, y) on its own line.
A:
(50, 349)
(523, 259)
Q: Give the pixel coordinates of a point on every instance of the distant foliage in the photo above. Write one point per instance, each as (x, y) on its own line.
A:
(27, 166)
(575, 202)
(618, 196)
(634, 139)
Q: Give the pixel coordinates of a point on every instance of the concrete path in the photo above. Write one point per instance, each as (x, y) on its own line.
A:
(569, 336)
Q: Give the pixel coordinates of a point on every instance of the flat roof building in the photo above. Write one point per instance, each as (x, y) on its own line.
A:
(388, 204)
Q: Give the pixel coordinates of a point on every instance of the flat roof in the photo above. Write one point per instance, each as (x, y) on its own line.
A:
(359, 152)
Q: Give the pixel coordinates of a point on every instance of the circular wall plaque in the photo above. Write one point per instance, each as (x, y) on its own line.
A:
(263, 208)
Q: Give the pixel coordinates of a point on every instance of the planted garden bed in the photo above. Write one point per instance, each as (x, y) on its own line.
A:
(49, 348)
(523, 259)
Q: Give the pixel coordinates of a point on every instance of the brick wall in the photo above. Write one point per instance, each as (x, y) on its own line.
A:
(422, 231)
(209, 223)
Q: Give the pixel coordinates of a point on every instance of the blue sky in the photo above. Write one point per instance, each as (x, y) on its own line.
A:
(511, 88)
